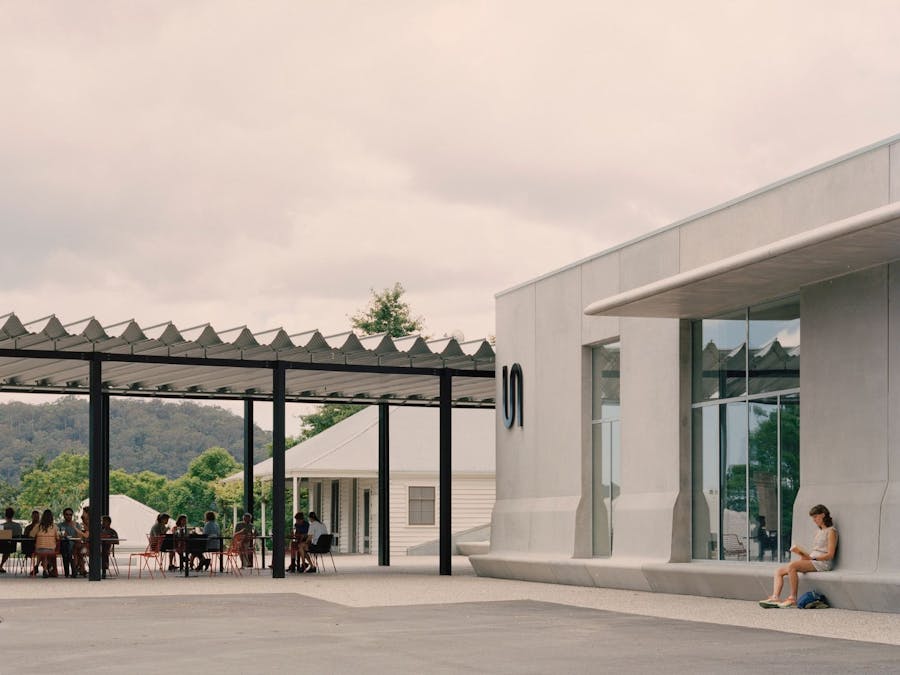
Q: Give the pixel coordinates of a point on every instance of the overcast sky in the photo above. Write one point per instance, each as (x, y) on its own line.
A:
(267, 163)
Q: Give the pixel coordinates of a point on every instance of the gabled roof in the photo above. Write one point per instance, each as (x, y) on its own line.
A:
(48, 356)
(350, 448)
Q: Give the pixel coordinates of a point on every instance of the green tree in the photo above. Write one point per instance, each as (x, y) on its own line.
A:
(326, 416)
(62, 482)
(388, 313)
(213, 464)
(8, 493)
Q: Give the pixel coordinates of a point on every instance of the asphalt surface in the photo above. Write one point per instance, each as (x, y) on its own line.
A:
(408, 619)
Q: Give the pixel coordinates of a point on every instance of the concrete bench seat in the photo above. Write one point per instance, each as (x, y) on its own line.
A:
(875, 592)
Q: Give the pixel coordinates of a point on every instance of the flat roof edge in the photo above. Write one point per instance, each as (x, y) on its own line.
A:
(701, 214)
(795, 242)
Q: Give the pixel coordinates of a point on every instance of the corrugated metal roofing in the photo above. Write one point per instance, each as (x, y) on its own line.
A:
(47, 356)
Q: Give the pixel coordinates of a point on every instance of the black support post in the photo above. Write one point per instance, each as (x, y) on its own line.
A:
(445, 476)
(248, 456)
(104, 503)
(278, 393)
(384, 485)
(95, 464)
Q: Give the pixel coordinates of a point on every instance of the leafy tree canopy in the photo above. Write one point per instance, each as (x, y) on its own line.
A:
(213, 464)
(328, 415)
(388, 313)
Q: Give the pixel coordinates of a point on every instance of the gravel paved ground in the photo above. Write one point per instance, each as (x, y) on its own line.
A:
(408, 619)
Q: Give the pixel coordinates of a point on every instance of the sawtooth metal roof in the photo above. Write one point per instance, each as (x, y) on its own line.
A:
(47, 356)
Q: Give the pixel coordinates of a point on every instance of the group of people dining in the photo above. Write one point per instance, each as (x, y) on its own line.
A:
(44, 539)
(178, 538)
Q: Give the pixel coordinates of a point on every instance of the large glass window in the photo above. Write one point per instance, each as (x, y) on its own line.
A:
(746, 448)
(605, 443)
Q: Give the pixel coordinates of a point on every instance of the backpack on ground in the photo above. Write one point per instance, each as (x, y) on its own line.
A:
(812, 600)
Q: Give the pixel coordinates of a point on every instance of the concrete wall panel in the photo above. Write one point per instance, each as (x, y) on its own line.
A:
(843, 411)
(895, 172)
(643, 514)
(515, 477)
(889, 547)
(649, 259)
(599, 279)
(855, 185)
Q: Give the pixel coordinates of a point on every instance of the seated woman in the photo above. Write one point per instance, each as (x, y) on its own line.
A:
(46, 544)
(820, 559)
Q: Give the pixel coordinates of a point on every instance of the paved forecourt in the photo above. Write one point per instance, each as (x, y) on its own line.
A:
(409, 619)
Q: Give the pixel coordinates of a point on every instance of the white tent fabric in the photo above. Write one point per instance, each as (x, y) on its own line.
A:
(131, 519)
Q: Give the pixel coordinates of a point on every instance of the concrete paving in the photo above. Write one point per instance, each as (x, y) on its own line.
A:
(408, 619)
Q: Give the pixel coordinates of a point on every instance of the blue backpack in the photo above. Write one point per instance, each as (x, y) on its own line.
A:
(812, 600)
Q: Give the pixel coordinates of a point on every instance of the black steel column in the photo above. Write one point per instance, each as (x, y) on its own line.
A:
(278, 393)
(248, 455)
(445, 476)
(104, 502)
(384, 485)
(95, 464)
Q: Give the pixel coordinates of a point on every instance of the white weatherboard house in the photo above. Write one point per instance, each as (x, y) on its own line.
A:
(690, 395)
(340, 467)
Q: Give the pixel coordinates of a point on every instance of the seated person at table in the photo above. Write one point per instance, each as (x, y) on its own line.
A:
(80, 549)
(71, 536)
(301, 529)
(179, 536)
(46, 543)
(161, 529)
(7, 547)
(316, 529)
(28, 533)
(245, 529)
(109, 538)
(213, 536)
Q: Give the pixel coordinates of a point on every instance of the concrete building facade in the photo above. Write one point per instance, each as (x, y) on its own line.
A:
(676, 431)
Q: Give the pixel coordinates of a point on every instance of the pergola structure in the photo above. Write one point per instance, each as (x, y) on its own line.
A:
(126, 359)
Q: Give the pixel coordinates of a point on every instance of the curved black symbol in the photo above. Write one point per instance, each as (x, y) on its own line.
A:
(513, 395)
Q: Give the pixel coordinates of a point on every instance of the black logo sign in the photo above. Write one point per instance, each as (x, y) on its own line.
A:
(513, 395)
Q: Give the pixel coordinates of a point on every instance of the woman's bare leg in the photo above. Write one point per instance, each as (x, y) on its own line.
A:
(793, 574)
(778, 581)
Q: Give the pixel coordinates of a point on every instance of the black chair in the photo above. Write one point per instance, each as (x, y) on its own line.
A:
(320, 549)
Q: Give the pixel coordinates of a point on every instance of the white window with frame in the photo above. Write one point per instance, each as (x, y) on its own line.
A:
(421, 505)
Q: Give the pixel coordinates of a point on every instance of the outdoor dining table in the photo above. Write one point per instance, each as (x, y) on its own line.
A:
(191, 544)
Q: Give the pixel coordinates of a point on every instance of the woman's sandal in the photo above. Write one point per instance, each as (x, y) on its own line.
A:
(788, 604)
(769, 603)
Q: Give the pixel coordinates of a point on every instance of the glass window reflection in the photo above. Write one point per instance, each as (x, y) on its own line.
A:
(720, 357)
(774, 331)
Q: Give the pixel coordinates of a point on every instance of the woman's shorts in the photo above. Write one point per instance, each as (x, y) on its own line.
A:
(821, 565)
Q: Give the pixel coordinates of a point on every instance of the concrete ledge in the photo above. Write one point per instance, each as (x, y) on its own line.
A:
(473, 547)
(874, 592)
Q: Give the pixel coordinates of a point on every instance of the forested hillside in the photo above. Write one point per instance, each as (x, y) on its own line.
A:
(146, 434)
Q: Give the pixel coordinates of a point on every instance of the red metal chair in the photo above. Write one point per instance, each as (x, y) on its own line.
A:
(152, 552)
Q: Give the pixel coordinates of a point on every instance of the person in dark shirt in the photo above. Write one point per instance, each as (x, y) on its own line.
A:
(301, 531)
(9, 547)
(109, 538)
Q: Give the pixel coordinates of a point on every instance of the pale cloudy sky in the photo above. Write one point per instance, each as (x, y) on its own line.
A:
(267, 163)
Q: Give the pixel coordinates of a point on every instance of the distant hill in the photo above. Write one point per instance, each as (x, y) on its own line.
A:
(144, 434)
